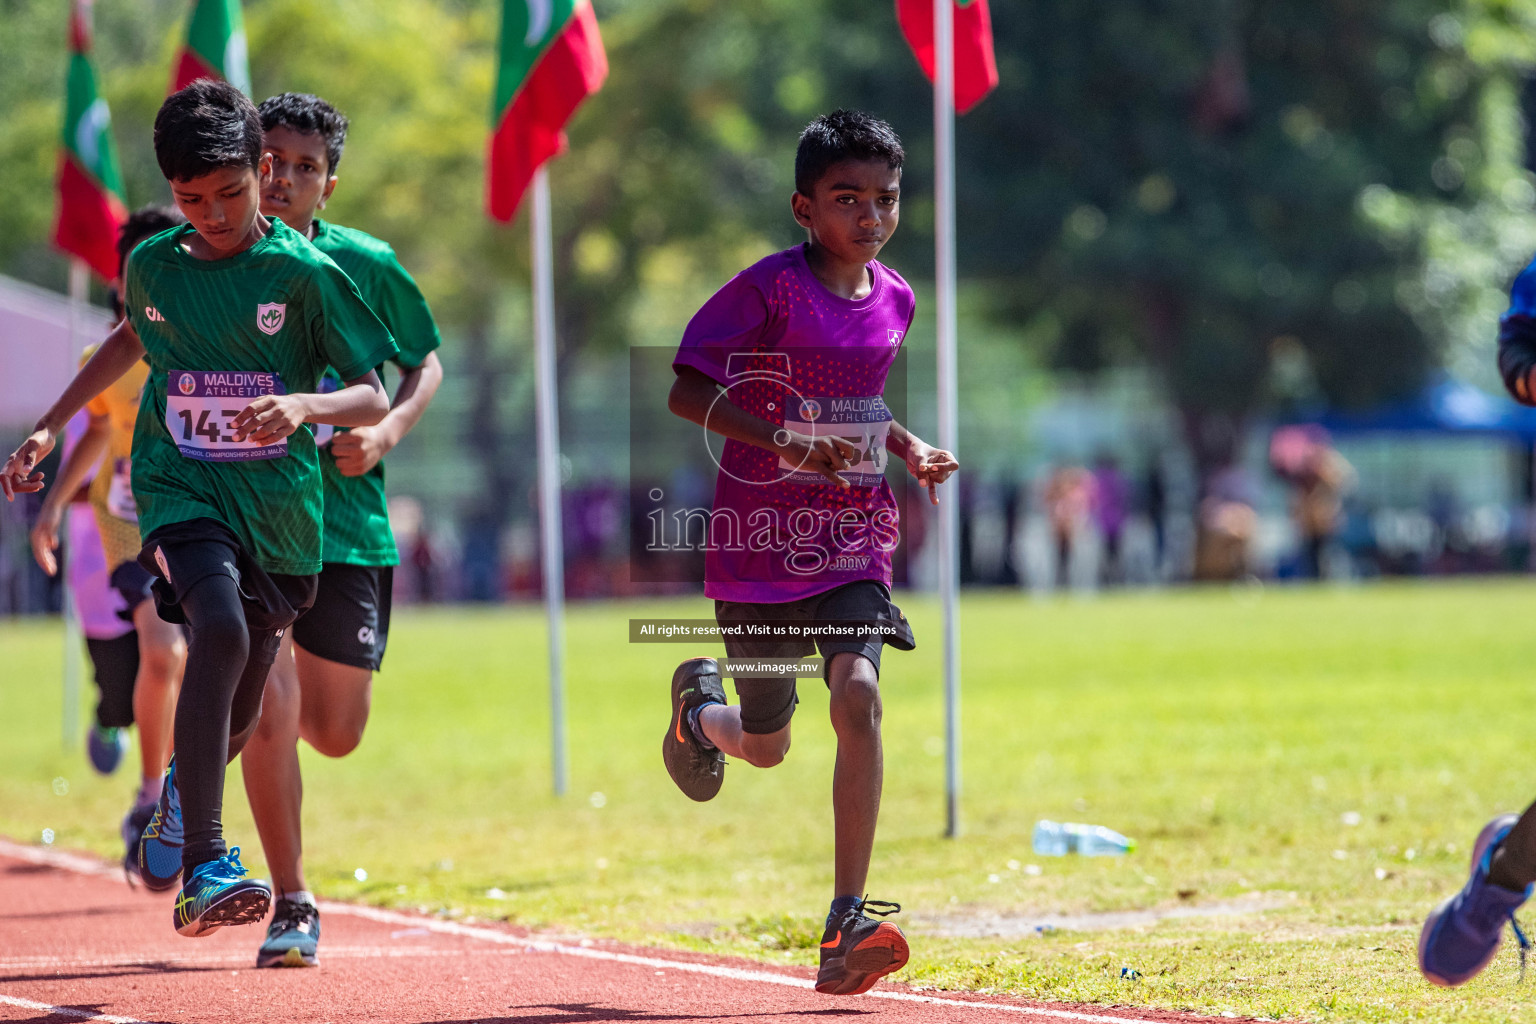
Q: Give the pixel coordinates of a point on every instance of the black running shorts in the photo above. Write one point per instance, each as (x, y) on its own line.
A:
(349, 622)
(767, 704)
(130, 580)
(182, 555)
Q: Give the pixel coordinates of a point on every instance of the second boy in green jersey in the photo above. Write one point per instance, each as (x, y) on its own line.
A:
(320, 686)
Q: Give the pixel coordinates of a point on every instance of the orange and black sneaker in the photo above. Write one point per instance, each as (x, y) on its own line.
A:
(697, 769)
(857, 952)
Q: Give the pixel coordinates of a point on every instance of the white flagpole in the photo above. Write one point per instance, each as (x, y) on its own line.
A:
(79, 285)
(949, 509)
(548, 444)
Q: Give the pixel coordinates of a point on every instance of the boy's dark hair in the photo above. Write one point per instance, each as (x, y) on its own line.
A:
(204, 127)
(843, 135)
(310, 115)
(141, 223)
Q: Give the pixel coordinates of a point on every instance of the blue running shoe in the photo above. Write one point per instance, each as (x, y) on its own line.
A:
(106, 748)
(160, 845)
(293, 937)
(1462, 934)
(218, 893)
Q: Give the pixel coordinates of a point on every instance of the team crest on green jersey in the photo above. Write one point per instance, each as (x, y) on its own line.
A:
(269, 316)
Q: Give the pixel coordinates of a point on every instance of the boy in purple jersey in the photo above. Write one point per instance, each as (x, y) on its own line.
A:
(1462, 935)
(788, 362)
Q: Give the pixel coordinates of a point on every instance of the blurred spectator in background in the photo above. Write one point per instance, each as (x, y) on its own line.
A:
(1111, 498)
(1068, 505)
(1227, 523)
(1154, 496)
(424, 564)
(1008, 571)
(1302, 456)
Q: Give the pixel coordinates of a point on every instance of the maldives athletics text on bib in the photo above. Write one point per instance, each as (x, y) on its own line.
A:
(862, 422)
(200, 407)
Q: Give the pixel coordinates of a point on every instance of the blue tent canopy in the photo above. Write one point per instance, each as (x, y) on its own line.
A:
(1446, 407)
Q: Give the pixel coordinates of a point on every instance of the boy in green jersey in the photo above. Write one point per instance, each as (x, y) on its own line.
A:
(321, 684)
(239, 318)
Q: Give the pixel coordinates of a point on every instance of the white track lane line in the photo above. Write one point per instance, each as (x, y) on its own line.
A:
(713, 970)
(65, 1011)
(237, 960)
(86, 866)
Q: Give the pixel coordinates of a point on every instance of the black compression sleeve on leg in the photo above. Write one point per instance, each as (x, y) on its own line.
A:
(216, 659)
(245, 710)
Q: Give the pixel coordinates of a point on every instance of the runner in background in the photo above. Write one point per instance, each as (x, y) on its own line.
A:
(321, 685)
(158, 649)
(110, 638)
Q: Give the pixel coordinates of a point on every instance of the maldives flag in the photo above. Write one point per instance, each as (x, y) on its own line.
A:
(551, 59)
(90, 186)
(215, 46)
(975, 63)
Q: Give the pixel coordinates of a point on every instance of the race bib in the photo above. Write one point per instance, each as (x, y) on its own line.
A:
(120, 501)
(200, 408)
(862, 422)
(325, 431)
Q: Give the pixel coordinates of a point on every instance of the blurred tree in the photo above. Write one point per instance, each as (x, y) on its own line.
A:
(1251, 196)
(1226, 187)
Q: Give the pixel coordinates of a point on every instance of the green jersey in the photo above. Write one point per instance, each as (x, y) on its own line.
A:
(356, 515)
(218, 333)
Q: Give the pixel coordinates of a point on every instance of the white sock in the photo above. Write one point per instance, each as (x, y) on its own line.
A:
(301, 896)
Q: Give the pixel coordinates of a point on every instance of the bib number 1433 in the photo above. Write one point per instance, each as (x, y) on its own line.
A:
(200, 408)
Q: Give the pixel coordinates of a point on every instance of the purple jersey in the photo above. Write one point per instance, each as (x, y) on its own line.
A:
(790, 352)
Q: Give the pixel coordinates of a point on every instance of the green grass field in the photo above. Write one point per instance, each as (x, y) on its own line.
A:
(1316, 760)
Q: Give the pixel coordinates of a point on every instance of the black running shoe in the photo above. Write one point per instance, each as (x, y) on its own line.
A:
(697, 770)
(293, 937)
(857, 952)
(134, 824)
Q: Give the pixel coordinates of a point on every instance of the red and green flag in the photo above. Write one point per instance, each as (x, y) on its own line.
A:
(551, 59)
(975, 63)
(215, 46)
(90, 185)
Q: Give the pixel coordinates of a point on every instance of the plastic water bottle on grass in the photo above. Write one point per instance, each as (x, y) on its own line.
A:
(1059, 838)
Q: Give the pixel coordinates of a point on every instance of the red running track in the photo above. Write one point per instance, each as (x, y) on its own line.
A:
(77, 944)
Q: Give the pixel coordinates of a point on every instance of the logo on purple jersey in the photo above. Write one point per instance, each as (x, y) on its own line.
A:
(810, 410)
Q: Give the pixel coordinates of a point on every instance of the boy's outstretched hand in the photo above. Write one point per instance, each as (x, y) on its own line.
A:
(826, 454)
(20, 475)
(269, 419)
(931, 466)
(358, 450)
(45, 537)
